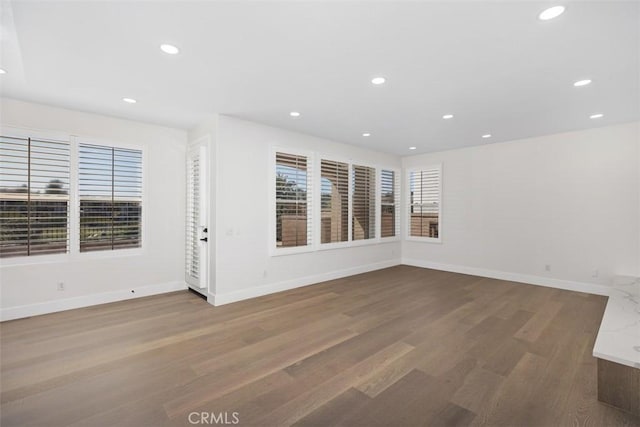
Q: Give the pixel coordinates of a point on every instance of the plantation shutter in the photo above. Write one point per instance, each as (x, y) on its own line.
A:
(34, 196)
(193, 216)
(110, 191)
(293, 200)
(334, 201)
(425, 202)
(363, 203)
(390, 192)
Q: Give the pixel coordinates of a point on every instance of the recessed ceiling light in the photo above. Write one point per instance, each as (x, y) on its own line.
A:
(2, 71)
(366, 134)
(412, 148)
(487, 135)
(170, 49)
(552, 12)
(129, 100)
(294, 114)
(447, 116)
(378, 80)
(596, 116)
(582, 82)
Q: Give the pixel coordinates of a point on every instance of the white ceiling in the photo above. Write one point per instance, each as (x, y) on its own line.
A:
(493, 65)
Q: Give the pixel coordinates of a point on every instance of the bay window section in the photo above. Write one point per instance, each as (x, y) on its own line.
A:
(388, 203)
(363, 220)
(334, 190)
(293, 198)
(425, 203)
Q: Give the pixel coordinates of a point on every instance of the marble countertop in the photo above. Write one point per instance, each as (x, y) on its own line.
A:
(619, 335)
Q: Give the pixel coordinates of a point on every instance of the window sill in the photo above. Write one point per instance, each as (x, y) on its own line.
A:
(275, 252)
(355, 243)
(66, 258)
(332, 246)
(389, 239)
(424, 239)
(34, 260)
(118, 253)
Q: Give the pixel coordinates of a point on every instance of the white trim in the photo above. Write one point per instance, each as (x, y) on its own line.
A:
(110, 143)
(34, 133)
(201, 146)
(257, 291)
(212, 198)
(37, 309)
(74, 199)
(590, 288)
(351, 244)
(378, 205)
(431, 240)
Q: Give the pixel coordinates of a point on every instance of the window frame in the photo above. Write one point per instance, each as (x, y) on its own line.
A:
(76, 158)
(407, 204)
(18, 132)
(397, 173)
(315, 158)
(318, 219)
(274, 250)
(349, 243)
(113, 253)
(74, 254)
(377, 232)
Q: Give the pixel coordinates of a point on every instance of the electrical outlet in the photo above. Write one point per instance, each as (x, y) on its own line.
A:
(595, 273)
(547, 267)
(61, 286)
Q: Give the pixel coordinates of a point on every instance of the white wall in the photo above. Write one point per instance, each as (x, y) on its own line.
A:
(571, 201)
(244, 266)
(91, 277)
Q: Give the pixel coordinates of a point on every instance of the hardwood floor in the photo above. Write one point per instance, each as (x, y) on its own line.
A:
(400, 347)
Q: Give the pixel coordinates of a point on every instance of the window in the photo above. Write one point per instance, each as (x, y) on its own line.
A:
(34, 197)
(425, 204)
(353, 201)
(293, 197)
(334, 191)
(363, 225)
(389, 219)
(110, 193)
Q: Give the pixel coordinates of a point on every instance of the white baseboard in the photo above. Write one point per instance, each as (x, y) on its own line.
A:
(22, 311)
(590, 288)
(258, 291)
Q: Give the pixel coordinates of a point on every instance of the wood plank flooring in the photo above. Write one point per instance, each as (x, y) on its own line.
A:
(402, 346)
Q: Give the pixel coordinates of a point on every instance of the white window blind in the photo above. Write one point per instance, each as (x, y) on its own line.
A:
(425, 202)
(193, 216)
(34, 196)
(335, 201)
(363, 203)
(293, 200)
(390, 191)
(110, 192)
